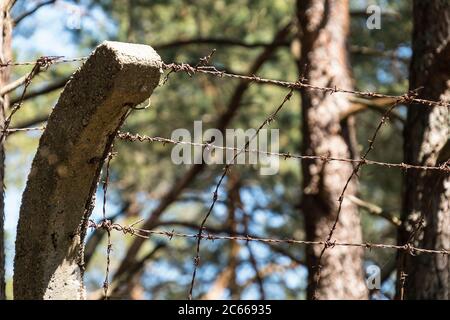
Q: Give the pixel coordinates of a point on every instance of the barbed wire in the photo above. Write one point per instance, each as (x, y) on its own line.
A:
(55, 60)
(170, 234)
(136, 137)
(406, 98)
(107, 224)
(13, 130)
(127, 136)
(203, 68)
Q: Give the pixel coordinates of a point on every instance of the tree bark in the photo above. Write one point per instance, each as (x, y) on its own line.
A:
(323, 30)
(57, 201)
(6, 55)
(426, 200)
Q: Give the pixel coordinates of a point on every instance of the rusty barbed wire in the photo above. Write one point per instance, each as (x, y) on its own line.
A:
(136, 137)
(107, 223)
(211, 70)
(12, 130)
(55, 60)
(202, 67)
(127, 136)
(170, 234)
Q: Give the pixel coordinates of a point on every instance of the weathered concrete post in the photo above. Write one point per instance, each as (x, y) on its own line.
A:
(67, 165)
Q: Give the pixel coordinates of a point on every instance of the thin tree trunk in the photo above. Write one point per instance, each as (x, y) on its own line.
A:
(5, 56)
(426, 201)
(324, 26)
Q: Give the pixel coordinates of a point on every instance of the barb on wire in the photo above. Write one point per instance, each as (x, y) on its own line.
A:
(205, 60)
(124, 229)
(211, 70)
(216, 190)
(202, 63)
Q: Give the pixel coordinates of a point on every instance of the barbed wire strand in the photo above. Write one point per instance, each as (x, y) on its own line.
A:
(137, 137)
(127, 136)
(56, 60)
(12, 130)
(133, 137)
(170, 234)
(202, 67)
(107, 224)
(211, 70)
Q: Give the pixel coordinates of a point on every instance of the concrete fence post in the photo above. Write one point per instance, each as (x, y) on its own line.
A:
(67, 166)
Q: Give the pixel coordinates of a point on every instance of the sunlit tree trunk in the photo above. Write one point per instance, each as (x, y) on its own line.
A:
(323, 30)
(5, 56)
(427, 194)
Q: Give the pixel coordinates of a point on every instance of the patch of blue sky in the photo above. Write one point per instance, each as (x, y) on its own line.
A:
(50, 31)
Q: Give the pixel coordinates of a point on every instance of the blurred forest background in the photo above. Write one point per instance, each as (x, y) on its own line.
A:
(244, 33)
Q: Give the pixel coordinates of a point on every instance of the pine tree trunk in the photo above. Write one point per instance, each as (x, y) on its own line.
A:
(427, 194)
(6, 55)
(324, 27)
